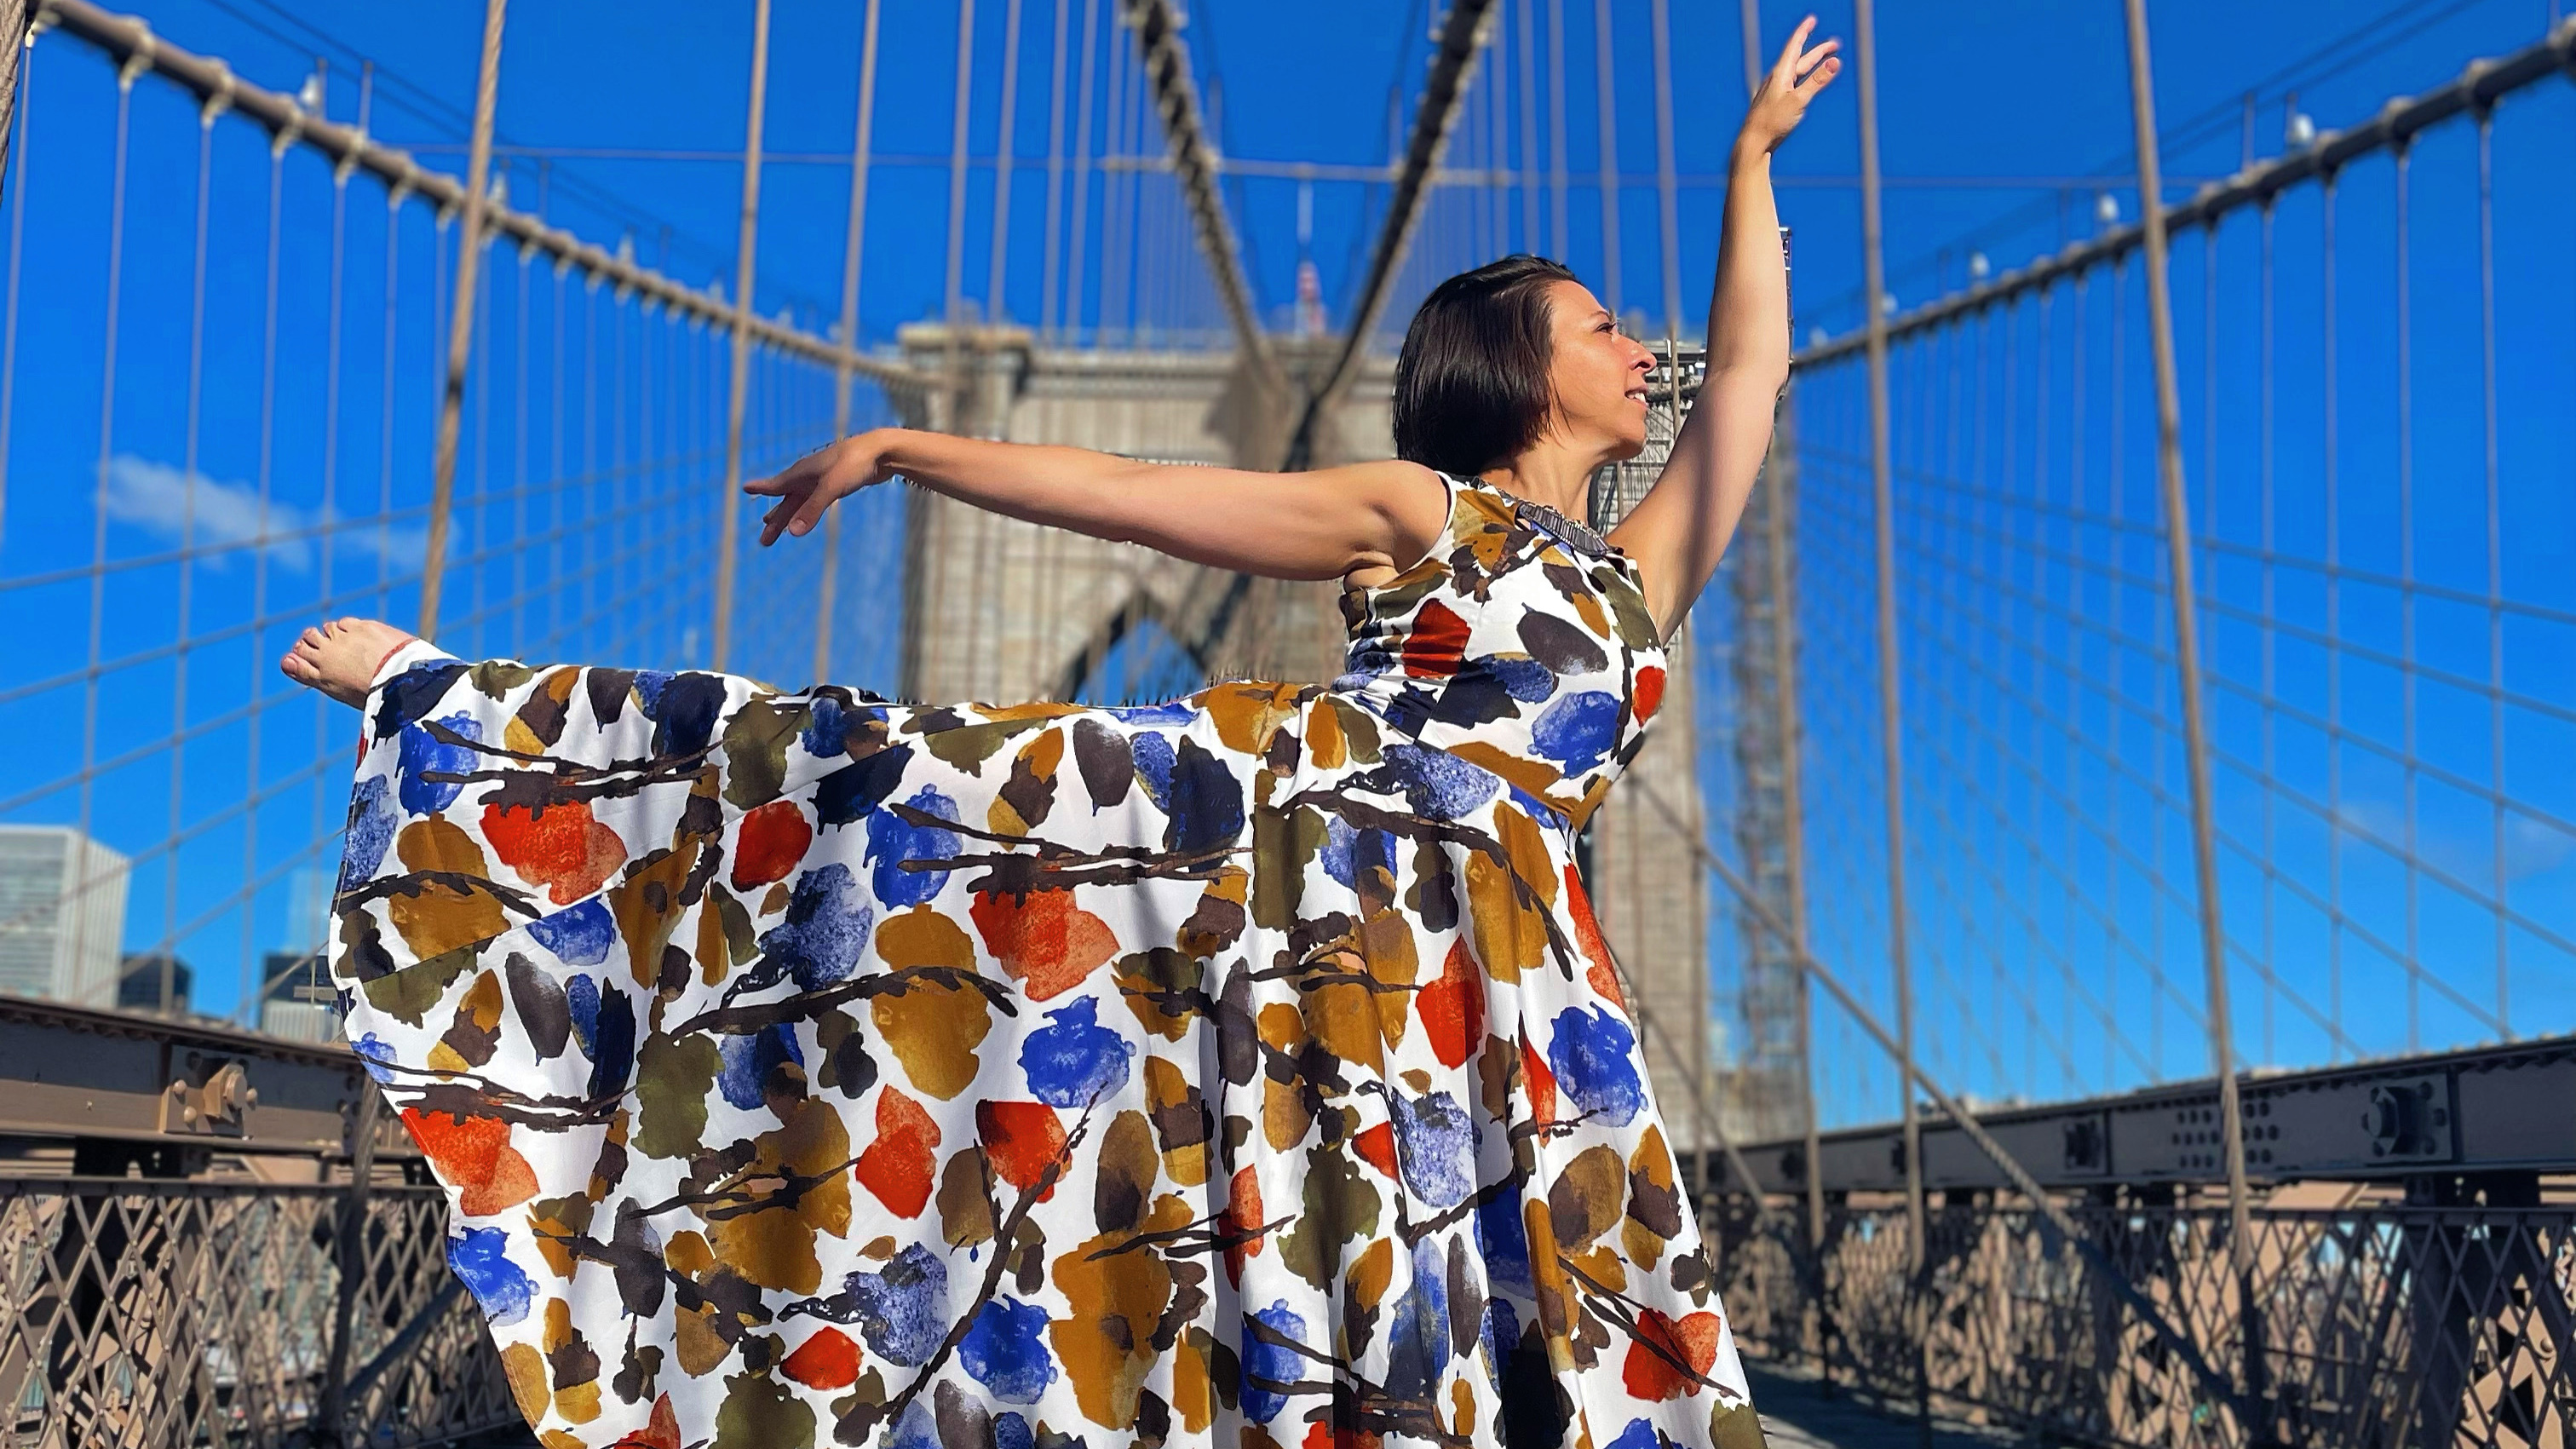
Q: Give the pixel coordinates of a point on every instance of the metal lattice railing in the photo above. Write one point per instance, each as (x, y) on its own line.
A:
(202, 1313)
(2383, 1324)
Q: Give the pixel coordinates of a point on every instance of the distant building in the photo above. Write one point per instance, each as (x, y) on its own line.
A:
(308, 907)
(62, 914)
(299, 1002)
(296, 998)
(144, 977)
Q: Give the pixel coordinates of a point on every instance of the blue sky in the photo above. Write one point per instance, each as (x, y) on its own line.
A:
(1977, 104)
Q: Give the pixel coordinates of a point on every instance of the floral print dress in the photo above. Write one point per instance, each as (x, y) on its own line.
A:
(1245, 1071)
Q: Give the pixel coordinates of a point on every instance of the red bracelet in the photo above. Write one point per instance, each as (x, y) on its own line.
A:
(388, 654)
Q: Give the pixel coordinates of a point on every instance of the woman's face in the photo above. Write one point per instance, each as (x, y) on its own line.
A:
(1598, 376)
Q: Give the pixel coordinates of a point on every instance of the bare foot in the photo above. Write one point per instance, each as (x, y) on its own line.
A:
(340, 657)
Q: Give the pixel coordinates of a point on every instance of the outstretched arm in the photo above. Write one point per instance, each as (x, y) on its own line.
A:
(1317, 525)
(1679, 531)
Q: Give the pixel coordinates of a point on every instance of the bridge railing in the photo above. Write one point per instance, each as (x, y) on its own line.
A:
(2386, 1323)
(166, 1312)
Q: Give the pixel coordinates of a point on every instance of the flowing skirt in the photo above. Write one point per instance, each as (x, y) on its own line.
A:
(812, 1069)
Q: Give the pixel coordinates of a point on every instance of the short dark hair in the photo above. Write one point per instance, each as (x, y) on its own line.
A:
(1471, 385)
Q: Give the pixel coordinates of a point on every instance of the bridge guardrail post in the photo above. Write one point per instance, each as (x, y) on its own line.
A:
(349, 1251)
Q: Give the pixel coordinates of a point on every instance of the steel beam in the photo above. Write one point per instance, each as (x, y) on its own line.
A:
(2497, 1109)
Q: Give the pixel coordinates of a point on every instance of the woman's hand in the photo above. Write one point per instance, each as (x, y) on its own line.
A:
(816, 481)
(1794, 80)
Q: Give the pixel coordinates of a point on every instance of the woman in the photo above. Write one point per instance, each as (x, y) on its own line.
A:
(1245, 1070)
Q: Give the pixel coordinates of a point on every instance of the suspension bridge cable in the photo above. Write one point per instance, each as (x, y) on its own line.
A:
(1069, 321)
(1558, 243)
(106, 445)
(186, 591)
(1526, 175)
(1667, 208)
(1890, 700)
(852, 251)
(1004, 143)
(460, 328)
(1050, 233)
(1606, 138)
(737, 374)
(24, 76)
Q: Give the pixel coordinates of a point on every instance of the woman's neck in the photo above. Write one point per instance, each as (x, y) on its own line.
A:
(1551, 474)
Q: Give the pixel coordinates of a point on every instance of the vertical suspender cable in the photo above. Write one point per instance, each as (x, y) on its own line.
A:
(478, 511)
(518, 635)
(1493, 214)
(168, 949)
(2494, 560)
(254, 970)
(331, 512)
(22, 77)
(1526, 174)
(1556, 182)
(1891, 716)
(2186, 625)
(1749, 13)
(738, 375)
(851, 250)
(1667, 186)
(1055, 175)
(564, 501)
(1605, 94)
(79, 844)
(1789, 729)
(953, 294)
(994, 296)
(1069, 320)
(1116, 180)
(17, 38)
(460, 319)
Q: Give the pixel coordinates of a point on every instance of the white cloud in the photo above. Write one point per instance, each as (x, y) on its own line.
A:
(2532, 848)
(222, 521)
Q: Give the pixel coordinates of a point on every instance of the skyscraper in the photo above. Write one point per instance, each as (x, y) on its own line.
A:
(155, 981)
(62, 914)
(296, 998)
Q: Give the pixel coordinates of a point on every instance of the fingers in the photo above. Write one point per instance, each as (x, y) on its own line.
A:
(781, 514)
(1825, 71)
(1815, 57)
(805, 517)
(1797, 43)
(781, 481)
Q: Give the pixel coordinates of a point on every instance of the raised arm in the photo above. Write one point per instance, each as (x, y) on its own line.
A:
(1680, 530)
(1318, 525)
